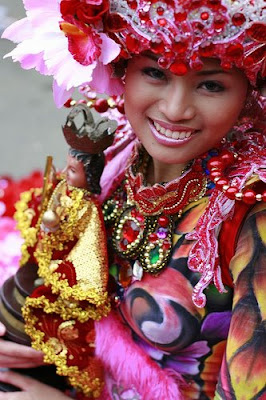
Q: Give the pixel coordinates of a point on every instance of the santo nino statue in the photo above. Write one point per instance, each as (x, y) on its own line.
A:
(64, 235)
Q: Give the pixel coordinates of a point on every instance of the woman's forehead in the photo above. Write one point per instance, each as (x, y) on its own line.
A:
(208, 64)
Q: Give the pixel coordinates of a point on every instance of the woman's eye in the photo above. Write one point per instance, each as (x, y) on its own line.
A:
(154, 73)
(212, 86)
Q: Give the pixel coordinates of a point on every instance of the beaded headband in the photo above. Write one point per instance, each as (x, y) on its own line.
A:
(77, 41)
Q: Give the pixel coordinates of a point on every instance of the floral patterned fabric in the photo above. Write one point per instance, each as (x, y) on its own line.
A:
(191, 341)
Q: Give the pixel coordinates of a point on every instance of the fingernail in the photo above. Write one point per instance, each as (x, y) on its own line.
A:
(2, 329)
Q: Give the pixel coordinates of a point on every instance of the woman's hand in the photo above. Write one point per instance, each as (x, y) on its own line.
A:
(31, 389)
(13, 355)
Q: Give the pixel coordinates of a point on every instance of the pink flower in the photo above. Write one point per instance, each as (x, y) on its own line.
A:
(43, 45)
(10, 244)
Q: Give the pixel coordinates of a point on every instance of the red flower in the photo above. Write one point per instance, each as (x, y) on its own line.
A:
(88, 12)
(83, 42)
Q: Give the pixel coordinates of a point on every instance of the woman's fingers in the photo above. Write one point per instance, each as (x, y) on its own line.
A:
(13, 362)
(18, 350)
(20, 381)
(30, 388)
(2, 329)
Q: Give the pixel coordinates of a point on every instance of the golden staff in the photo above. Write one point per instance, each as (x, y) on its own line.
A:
(47, 173)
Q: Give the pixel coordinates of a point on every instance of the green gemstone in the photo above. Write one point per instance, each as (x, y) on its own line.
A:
(154, 255)
(113, 270)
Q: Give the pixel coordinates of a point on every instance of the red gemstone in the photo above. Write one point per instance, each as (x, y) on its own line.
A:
(132, 4)
(219, 22)
(231, 192)
(204, 16)
(162, 21)
(249, 197)
(132, 43)
(221, 182)
(166, 245)
(163, 62)
(197, 65)
(235, 50)
(130, 231)
(68, 103)
(123, 245)
(157, 46)
(264, 196)
(198, 26)
(227, 157)
(101, 105)
(160, 10)
(196, 3)
(144, 16)
(215, 174)
(180, 16)
(153, 237)
(180, 46)
(206, 49)
(163, 221)
(179, 68)
(214, 4)
(121, 106)
(215, 162)
(140, 218)
(226, 65)
(169, 53)
(134, 213)
(238, 19)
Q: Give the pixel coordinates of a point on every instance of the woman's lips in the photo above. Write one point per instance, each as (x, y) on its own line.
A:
(169, 137)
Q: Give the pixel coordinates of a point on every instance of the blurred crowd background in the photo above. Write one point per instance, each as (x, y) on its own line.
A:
(30, 122)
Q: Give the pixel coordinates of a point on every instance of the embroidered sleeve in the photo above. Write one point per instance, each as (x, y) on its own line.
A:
(243, 371)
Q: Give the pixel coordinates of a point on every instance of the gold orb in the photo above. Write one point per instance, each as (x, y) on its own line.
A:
(50, 219)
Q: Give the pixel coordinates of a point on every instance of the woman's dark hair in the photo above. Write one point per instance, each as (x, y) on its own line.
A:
(93, 168)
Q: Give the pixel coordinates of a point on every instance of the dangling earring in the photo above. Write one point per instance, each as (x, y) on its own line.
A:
(250, 112)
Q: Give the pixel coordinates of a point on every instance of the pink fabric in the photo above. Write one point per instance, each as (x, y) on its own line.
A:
(114, 169)
(129, 365)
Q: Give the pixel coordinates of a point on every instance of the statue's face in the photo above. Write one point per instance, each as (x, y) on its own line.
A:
(75, 174)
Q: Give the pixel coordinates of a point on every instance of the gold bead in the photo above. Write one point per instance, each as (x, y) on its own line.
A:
(225, 187)
(50, 219)
(239, 196)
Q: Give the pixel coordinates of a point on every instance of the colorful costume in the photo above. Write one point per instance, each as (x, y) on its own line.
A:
(185, 257)
(154, 331)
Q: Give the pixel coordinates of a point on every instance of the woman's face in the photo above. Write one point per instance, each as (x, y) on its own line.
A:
(179, 118)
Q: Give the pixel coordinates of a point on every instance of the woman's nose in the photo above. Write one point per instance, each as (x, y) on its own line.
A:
(64, 171)
(177, 104)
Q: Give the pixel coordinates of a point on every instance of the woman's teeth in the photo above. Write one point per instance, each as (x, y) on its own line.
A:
(172, 134)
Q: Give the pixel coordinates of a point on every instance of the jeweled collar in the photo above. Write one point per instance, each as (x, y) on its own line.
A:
(168, 198)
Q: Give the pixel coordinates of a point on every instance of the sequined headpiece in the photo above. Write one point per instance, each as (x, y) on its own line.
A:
(77, 41)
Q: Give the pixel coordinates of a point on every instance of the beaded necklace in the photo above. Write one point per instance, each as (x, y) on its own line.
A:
(144, 222)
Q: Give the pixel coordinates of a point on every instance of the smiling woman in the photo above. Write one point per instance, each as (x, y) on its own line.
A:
(183, 200)
(178, 118)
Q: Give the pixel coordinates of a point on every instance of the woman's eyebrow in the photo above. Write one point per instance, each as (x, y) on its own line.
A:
(212, 72)
(152, 56)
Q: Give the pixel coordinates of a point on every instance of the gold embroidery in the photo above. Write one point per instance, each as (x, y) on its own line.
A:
(89, 380)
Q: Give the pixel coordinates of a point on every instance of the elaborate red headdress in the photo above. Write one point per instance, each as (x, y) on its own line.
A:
(76, 41)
